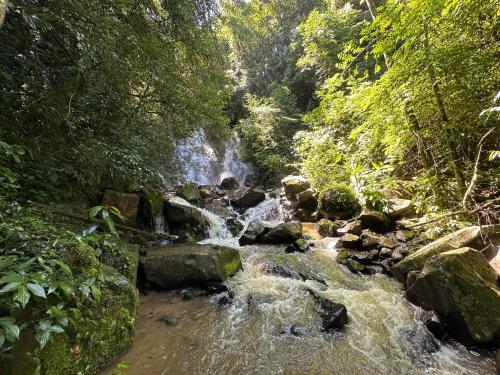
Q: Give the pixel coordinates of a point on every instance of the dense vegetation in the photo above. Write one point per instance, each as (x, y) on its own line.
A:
(403, 95)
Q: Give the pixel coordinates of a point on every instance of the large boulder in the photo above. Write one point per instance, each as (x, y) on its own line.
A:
(127, 203)
(474, 237)
(327, 228)
(294, 185)
(246, 197)
(462, 288)
(375, 220)
(283, 233)
(185, 219)
(229, 183)
(190, 265)
(401, 208)
(307, 200)
(334, 315)
(338, 203)
(189, 192)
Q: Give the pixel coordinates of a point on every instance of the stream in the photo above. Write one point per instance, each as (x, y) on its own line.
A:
(385, 333)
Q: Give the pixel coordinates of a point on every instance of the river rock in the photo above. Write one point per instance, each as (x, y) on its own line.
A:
(327, 228)
(371, 240)
(374, 220)
(127, 203)
(299, 245)
(255, 230)
(283, 233)
(189, 192)
(405, 235)
(234, 225)
(303, 215)
(268, 267)
(349, 241)
(246, 197)
(338, 204)
(470, 236)
(178, 210)
(190, 264)
(352, 227)
(293, 330)
(307, 200)
(462, 288)
(229, 183)
(334, 315)
(401, 208)
(294, 185)
(206, 192)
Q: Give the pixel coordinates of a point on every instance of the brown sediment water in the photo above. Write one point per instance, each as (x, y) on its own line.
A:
(385, 334)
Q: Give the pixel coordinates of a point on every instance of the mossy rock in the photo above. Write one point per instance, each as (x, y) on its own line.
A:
(338, 202)
(461, 287)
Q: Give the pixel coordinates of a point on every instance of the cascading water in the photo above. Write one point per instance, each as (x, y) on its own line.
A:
(253, 335)
(385, 334)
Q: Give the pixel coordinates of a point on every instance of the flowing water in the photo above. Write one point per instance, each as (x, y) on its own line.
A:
(385, 334)
(251, 336)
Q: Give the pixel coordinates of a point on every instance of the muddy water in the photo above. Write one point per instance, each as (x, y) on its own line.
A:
(384, 336)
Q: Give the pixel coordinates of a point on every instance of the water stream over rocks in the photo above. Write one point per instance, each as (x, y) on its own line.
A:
(271, 326)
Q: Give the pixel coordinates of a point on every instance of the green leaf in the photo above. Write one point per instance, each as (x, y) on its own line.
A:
(110, 224)
(2, 340)
(22, 296)
(10, 287)
(96, 292)
(11, 331)
(42, 337)
(37, 290)
(94, 211)
(56, 329)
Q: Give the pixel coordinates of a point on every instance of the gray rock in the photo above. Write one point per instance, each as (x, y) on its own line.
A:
(349, 241)
(375, 220)
(462, 288)
(352, 227)
(255, 231)
(307, 200)
(229, 183)
(327, 228)
(234, 225)
(190, 264)
(246, 197)
(303, 215)
(283, 233)
(189, 192)
(294, 185)
(127, 203)
(401, 208)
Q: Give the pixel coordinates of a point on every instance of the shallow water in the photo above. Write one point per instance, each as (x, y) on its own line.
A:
(384, 334)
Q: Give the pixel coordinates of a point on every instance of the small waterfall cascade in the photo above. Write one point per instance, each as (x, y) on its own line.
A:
(200, 162)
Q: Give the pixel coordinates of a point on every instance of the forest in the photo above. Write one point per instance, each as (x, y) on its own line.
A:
(168, 164)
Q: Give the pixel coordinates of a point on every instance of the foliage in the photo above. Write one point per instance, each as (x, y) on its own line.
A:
(341, 197)
(47, 275)
(106, 213)
(266, 135)
(104, 88)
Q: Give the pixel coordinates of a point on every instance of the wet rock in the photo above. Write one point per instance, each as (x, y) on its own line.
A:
(293, 330)
(268, 267)
(475, 237)
(419, 344)
(251, 180)
(206, 192)
(385, 252)
(354, 266)
(169, 320)
(246, 197)
(282, 233)
(374, 220)
(178, 210)
(294, 185)
(307, 200)
(255, 230)
(229, 183)
(338, 204)
(189, 192)
(219, 207)
(397, 257)
(225, 298)
(462, 288)
(349, 241)
(234, 225)
(342, 255)
(334, 315)
(404, 235)
(327, 228)
(216, 288)
(401, 208)
(303, 215)
(190, 264)
(436, 327)
(371, 240)
(352, 227)
(299, 245)
(151, 202)
(127, 203)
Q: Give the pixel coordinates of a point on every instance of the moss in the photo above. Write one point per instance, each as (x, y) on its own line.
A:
(343, 255)
(106, 327)
(230, 262)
